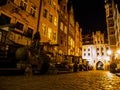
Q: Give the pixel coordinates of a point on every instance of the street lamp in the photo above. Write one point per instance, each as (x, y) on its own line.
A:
(118, 51)
(115, 61)
(109, 52)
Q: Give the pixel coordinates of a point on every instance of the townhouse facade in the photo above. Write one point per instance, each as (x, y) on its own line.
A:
(18, 23)
(113, 25)
(94, 50)
(110, 23)
(71, 32)
(63, 27)
(49, 24)
(20, 18)
(53, 19)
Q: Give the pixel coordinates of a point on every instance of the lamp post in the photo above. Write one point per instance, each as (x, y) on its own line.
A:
(114, 60)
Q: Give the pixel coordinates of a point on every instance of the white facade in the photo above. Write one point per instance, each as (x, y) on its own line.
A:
(96, 52)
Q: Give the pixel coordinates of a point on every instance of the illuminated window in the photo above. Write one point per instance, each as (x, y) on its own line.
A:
(72, 42)
(61, 26)
(23, 4)
(50, 17)
(49, 33)
(55, 21)
(44, 30)
(45, 13)
(69, 40)
(33, 10)
(65, 29)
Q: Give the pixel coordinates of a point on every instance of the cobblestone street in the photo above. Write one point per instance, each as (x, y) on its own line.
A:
(86, 80)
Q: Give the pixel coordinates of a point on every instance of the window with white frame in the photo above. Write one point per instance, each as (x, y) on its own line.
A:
(33, 10)
(23, 4)
(45, 12)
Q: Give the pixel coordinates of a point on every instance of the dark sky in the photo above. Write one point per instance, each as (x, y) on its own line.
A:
(90, 14)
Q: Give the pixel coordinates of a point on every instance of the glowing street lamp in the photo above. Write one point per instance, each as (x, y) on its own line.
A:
(118, 51)
(109, 52)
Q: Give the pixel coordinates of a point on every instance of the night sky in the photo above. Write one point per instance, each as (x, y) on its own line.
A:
(90, 14)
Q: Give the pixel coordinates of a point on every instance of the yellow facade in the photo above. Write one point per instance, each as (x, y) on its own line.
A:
(71, 32)
(23, 15)
(49, 21)
(23, 18)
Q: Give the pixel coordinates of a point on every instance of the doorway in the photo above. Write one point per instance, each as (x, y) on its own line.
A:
(99, 65)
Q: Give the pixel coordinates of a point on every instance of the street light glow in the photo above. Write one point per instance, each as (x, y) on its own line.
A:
(109, 52)
(118, 51)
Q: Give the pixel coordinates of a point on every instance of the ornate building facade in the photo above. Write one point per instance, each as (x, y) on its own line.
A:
(95, 51)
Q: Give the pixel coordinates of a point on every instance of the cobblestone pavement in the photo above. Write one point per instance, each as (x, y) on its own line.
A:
(84, 80)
